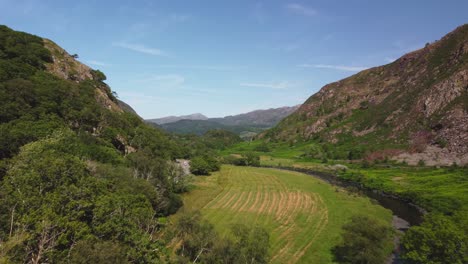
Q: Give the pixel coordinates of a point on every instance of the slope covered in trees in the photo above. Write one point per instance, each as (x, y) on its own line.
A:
(80, 177)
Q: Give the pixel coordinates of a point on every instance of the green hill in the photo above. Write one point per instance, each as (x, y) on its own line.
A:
(82, 179)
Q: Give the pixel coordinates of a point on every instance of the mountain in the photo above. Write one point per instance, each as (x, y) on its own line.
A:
(267, 118)
(415, 108)
(126, 107)
(172, 119)
(247, 125)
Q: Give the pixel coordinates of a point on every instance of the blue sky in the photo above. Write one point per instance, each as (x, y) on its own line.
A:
(228, 57)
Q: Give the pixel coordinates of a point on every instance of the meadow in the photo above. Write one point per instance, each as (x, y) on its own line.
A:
(302, 214)
(441, 189)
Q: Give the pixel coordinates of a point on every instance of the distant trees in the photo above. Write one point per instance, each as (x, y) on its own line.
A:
(204, 165)
(246, 159)
(364, 240)
(252, 159)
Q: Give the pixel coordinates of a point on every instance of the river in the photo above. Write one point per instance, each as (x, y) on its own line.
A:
(405, 213)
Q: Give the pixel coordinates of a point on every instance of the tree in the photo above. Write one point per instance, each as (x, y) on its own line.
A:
(90, 251)
(437, 240)
(199, 166)
(200, 243)
(98, 75)
(364, 240)
(252, 159)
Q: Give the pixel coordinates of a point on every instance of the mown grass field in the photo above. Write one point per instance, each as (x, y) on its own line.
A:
(443, 189)
(303, 215)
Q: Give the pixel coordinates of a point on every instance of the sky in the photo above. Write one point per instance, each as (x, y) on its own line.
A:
(228, 57)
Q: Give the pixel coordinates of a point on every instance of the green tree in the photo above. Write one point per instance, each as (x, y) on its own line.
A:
(97, 252)
(99, 75)
(252, 159)
(364, 240)
(199, 166)
(437, 240)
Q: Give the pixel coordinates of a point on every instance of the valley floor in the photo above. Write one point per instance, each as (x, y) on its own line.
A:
(303, 215)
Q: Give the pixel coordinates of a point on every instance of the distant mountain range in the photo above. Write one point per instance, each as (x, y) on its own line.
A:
(415, 108)
(172, 119)
(247, 124)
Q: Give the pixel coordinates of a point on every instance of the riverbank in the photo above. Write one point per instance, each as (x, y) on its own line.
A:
(303, 215)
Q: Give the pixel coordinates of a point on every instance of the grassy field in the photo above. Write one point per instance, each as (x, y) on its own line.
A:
(442, 189)
(302, 214)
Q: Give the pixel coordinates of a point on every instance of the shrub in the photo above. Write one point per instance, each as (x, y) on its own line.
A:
(98, 75)
(199, 166)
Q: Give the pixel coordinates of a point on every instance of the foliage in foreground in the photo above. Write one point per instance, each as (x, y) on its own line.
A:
(439, 239)
(201, 243)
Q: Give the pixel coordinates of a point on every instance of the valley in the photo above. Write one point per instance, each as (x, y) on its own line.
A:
(371, 168)
(303, 215)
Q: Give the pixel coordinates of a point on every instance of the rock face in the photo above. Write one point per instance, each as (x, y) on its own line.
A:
(66, 66)
(419, 100)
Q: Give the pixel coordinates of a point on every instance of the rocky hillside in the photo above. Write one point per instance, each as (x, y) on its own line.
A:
(415, 108)
(65, 66)
(264, 117)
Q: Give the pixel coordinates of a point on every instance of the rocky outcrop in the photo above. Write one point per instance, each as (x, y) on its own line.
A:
(66, 66)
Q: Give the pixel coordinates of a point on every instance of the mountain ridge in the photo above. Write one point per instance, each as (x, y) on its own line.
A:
(172, 119)
(248, 124)
(417, 105)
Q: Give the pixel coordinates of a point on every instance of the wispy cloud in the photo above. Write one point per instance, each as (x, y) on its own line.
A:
(97, 63)
(301, 9)
(277, 85)
(140, 48)
(335, 67)
(197, 67)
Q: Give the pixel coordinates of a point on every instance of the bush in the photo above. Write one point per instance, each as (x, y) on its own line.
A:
(204, 165)
(252, 159)
(98, 75)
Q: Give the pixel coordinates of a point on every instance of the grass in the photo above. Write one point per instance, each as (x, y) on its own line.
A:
(302, 214)
(435, 189)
